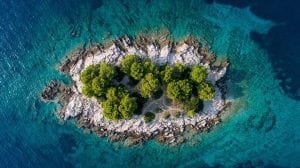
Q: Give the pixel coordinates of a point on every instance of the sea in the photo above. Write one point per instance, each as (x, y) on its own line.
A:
(260, 38)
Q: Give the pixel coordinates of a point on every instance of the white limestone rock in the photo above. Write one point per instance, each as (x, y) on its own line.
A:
(90, 108)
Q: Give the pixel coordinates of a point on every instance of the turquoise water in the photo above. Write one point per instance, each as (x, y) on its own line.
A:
(261, 130)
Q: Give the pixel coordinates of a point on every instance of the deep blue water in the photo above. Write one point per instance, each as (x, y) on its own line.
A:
(261, 39)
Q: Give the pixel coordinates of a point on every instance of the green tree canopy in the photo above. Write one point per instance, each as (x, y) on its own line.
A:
(206, 91)
(127, 62)
(150, 67)
(137, 71)
(115, 94)
(112, 94)
(99, 86)
(192, 106)
(127, 106)
(107, 71)
(89, 74)
(110, 110)
(179, 90)
(167, 74)
(119, 103)
(198, 74)
(87, 90)
(149, 84)
(179, 71)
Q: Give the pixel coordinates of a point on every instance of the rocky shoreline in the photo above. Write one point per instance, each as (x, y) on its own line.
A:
(161, 50)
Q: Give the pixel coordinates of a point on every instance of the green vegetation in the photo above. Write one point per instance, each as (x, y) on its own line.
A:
(193, 105)
(206, 91)
(149, 117)
(179, 90)
(149, 85)
(185, 86)
(127, 106)
(119, 104)
(198, 74)
(127, 62)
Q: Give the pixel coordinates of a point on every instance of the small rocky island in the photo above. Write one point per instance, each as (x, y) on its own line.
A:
(135, 89)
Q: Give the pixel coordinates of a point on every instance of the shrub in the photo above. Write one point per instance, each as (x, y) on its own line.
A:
(148, 117)
(158, 110)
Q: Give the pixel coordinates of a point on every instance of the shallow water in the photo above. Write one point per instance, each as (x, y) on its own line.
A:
(262, 130)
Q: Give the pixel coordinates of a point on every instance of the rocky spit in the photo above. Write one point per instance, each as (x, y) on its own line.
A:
(88, 112)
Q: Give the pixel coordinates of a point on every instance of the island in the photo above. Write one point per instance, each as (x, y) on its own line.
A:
(134, 89)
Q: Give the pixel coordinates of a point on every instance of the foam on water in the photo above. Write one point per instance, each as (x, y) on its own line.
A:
(36, 35)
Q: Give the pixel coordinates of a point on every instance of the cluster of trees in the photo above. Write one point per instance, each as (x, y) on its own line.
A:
(116, 101)
(143, 71)
(188, 86)
(97, 79)
(119, 104)
(182, 84)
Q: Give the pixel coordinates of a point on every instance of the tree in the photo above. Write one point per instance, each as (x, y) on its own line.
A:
(149, 85)
(150, 67)
(87, 90)
(179, 71)
(198, 74)
(99, 86)
(166, 74)
(116, 94)
(127, 106)
(127, 62)
(137, 71)
(112, 94)
(179, 90)
(206, 91)
(148, 117)
(118, 104)
(193, 106)
(89, 74)
(107, 71)
(110, 110)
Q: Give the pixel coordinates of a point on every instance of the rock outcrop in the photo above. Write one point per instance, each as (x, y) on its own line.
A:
(161, 50)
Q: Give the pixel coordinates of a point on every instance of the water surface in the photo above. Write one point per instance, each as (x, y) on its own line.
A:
(262, 130)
